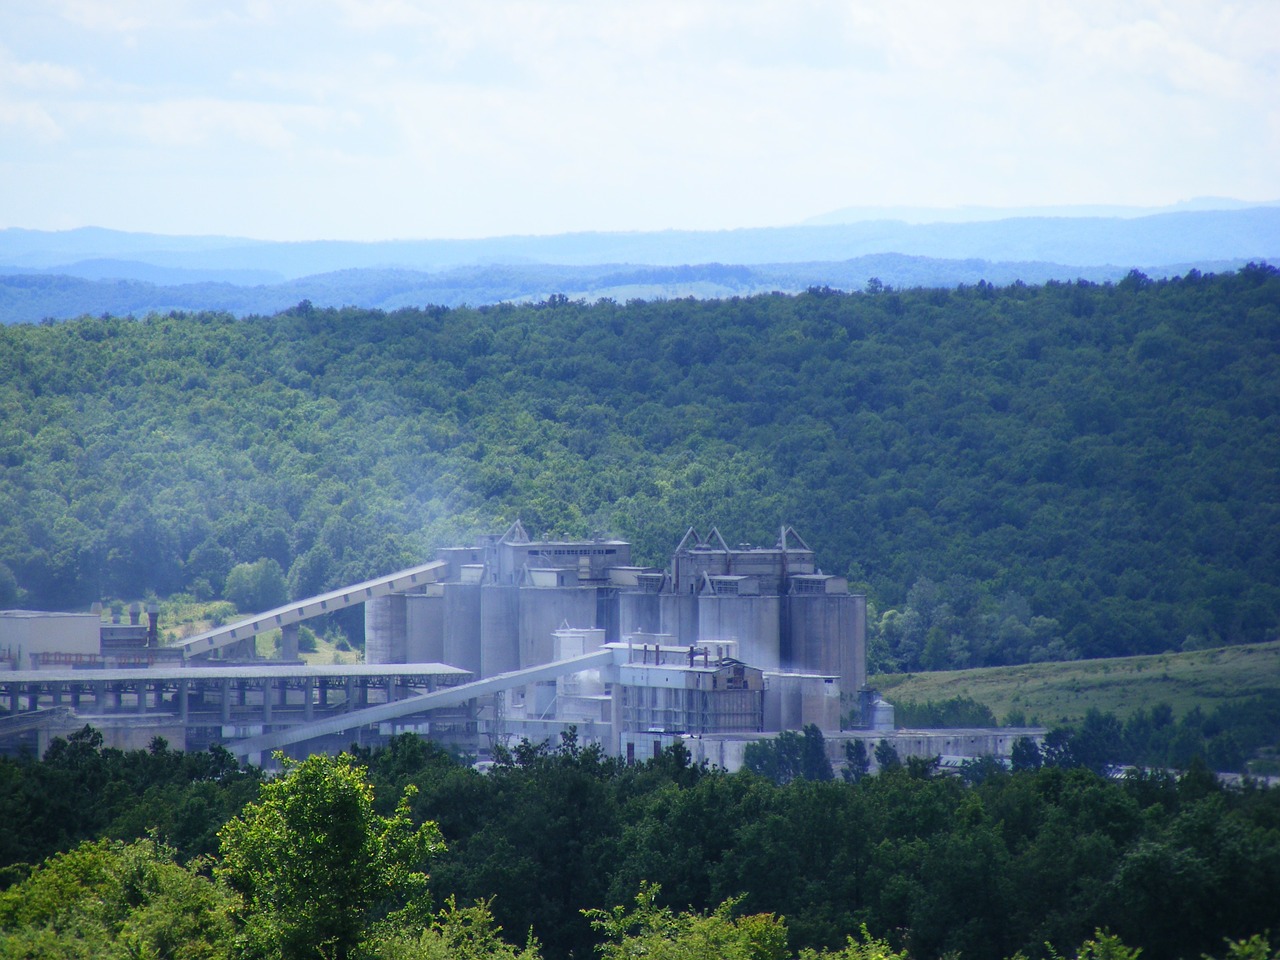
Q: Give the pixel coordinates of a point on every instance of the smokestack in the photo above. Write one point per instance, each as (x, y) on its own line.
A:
(153, 620)
(135, 613)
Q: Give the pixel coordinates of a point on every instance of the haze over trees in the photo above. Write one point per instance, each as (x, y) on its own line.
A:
(1012, 474)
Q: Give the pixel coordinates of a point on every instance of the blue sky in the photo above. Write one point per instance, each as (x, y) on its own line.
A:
(380, 119)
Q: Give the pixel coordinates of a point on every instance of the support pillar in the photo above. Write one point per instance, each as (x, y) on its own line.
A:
(289, 641)
(183, 712)
(226, 700)
(308, 692)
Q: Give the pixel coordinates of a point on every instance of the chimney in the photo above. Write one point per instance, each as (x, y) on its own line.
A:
(153, 620)
(135, 613)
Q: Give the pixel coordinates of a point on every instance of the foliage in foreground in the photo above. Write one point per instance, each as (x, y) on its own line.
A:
(925, 866)
(108, 900)
(315, 866)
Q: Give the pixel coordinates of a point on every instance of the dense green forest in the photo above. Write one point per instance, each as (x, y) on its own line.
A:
(1012, 474)
(558, 841)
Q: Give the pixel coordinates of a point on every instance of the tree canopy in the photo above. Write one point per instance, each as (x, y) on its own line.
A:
(1012, 474)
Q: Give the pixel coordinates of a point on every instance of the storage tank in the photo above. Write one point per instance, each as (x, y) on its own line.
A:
(499, 629)
(680, 616)
(461, 639)
(385, 629)
(543, 610)
(639, 613)
(827, 634)
(793, 701)
(424, 626)
(751, 620)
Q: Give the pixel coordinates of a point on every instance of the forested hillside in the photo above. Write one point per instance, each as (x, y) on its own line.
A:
(1012, 473)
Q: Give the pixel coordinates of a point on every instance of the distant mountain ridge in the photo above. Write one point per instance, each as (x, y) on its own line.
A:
(972, 214)
(26, 298)
(92, 270)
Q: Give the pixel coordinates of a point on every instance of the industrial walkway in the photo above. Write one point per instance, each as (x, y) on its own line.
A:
(282, 618)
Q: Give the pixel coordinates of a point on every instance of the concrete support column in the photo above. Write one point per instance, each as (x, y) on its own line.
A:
(324, 692)
(289, 641)
(183, 711)
(349, 685)
(55, 693)
(226, 700)
(142, 696)
(308, 694)
(364, 691)
(100, 696)
(268, 694)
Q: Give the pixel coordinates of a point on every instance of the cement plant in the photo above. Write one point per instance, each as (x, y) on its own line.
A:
(509, 638)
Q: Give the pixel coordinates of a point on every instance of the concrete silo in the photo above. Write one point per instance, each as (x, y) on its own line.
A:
(385, 629)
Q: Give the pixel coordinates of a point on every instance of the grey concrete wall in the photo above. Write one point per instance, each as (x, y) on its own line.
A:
(792, 702)
(462, 626)
(639, 613)
(827, 635)
(499, 629)
(859, 642)
(424, 627)
(26, 632)
(752, 621)
(544, 610)
(680, 617)
(385, 629)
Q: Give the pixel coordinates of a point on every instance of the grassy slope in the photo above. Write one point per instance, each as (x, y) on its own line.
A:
(1052, 693)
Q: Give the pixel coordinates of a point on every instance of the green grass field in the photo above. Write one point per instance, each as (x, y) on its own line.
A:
(1057, 693)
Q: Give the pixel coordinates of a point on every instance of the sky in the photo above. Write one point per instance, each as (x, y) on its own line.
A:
(392, 119)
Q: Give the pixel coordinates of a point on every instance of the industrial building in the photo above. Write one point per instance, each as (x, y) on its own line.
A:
(497, 605)
(510, 637)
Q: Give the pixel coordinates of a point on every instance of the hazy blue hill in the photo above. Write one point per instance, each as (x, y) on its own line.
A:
(92, 271)
(26, 298)
(110, 269)
(1178, 237)
(972, 214)
(39, 249)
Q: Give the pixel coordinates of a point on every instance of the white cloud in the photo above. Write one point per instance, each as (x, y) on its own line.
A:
(532, 116)
(29, 120)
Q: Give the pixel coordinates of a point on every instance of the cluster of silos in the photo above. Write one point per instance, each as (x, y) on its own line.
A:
(502, 601)
(785, 614)
(499, 605)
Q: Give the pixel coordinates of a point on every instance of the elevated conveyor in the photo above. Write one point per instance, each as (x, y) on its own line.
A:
(255, 747)
(400, 582)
